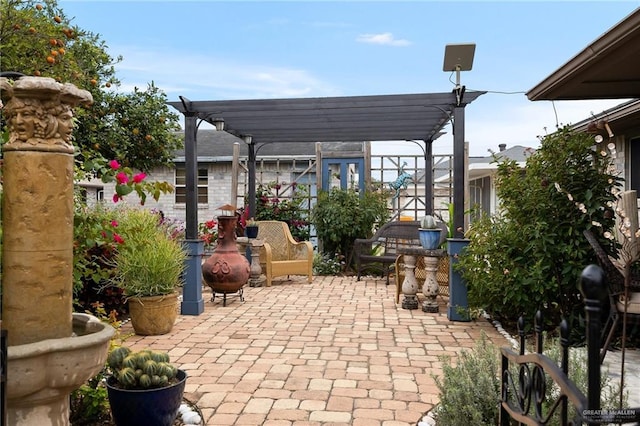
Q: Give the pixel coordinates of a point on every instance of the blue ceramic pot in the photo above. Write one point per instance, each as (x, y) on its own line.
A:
(158, 407)
(429, 238)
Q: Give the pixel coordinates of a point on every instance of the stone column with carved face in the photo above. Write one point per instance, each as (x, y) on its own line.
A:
(37, 210)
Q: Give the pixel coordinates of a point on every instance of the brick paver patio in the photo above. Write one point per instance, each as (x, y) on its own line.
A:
(336, 351)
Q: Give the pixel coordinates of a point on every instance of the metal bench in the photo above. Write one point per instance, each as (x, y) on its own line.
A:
(381, 249)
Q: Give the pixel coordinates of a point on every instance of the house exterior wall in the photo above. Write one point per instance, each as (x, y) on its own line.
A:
(218, 187)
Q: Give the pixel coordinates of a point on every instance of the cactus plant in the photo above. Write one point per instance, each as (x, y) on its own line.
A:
(145, 369)
(428, 222)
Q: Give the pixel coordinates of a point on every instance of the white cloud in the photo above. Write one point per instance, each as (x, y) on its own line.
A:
(386, 39)
(201, 77)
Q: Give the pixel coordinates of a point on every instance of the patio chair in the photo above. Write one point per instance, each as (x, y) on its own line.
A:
(615, 283)
(281, 254)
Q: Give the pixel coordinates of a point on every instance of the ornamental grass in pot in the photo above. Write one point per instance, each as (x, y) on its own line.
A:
(149, 268)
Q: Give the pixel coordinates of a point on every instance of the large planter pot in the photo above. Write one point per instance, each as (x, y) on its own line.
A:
(153, 315)
(458, 309)
(153, 407)
(429, 238)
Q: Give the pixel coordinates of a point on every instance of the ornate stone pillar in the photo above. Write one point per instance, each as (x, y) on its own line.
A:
(51, 351)
(37, 210)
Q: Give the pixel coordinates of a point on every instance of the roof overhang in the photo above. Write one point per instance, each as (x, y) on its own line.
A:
(332, 119)
(609, 68)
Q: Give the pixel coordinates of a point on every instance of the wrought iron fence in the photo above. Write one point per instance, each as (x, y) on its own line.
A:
(525, 398)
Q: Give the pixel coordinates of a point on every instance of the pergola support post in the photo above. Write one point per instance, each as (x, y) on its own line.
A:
(458, 170)
(192, 301)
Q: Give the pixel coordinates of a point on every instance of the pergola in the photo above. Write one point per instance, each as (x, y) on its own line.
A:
(404, 117)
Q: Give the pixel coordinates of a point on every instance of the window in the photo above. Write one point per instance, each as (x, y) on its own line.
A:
(181, 182)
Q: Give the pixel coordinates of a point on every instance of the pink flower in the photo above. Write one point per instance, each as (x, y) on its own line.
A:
(114, 223)
(122, 178)
(116, 198)
(114, 164)
(118, 239)
(139, 177)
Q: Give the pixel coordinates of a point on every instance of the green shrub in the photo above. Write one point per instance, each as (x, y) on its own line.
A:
(470, 390)
(340, 216)
(531, 255)
(272, 205)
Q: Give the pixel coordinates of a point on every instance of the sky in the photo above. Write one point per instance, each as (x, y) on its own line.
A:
(224, 50)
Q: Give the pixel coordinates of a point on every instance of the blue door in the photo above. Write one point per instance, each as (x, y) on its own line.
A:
(345, 173)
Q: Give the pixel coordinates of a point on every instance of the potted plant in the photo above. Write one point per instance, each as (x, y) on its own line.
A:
(429, 232)
(149, 267)
(143, 387)
(251, 228)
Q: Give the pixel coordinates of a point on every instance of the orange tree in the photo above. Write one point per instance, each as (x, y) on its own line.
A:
(136, 129)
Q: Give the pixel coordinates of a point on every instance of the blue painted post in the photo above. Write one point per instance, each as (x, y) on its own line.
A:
(458, 309)
(192, 301)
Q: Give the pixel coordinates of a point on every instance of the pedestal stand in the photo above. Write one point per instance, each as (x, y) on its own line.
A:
(256, 278)
(430, 286)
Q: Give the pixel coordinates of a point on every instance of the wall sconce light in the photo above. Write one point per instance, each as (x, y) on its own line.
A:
(219, 123)
(247, 139)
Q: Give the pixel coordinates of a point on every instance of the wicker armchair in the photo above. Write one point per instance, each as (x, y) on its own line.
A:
(281, 254)
(615, 283)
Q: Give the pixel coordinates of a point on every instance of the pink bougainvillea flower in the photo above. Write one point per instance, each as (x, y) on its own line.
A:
(122, 178)
(210, 224)
(139, 177)
(118, 239)
(104, 234)
(114, 164)
(116, 198)
(114, 223)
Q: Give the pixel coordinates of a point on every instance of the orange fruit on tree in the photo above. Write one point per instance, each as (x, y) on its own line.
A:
(94, 81)
(36, 73)
(62, 51)
(136, 131)
(51, 59)
(39, 6)
(57, 19)
(32, 30)
(107, 84)
(53, 41)
(148, 137)
(54, 53)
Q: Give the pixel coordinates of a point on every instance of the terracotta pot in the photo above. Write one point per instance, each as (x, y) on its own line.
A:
(153, 315)
(226, 270)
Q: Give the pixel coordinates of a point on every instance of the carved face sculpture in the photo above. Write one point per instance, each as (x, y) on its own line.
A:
(65, 125)
(23, 121)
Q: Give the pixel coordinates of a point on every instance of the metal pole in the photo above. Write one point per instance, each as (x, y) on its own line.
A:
(428, 177)
(593, 288)
(252, 178)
